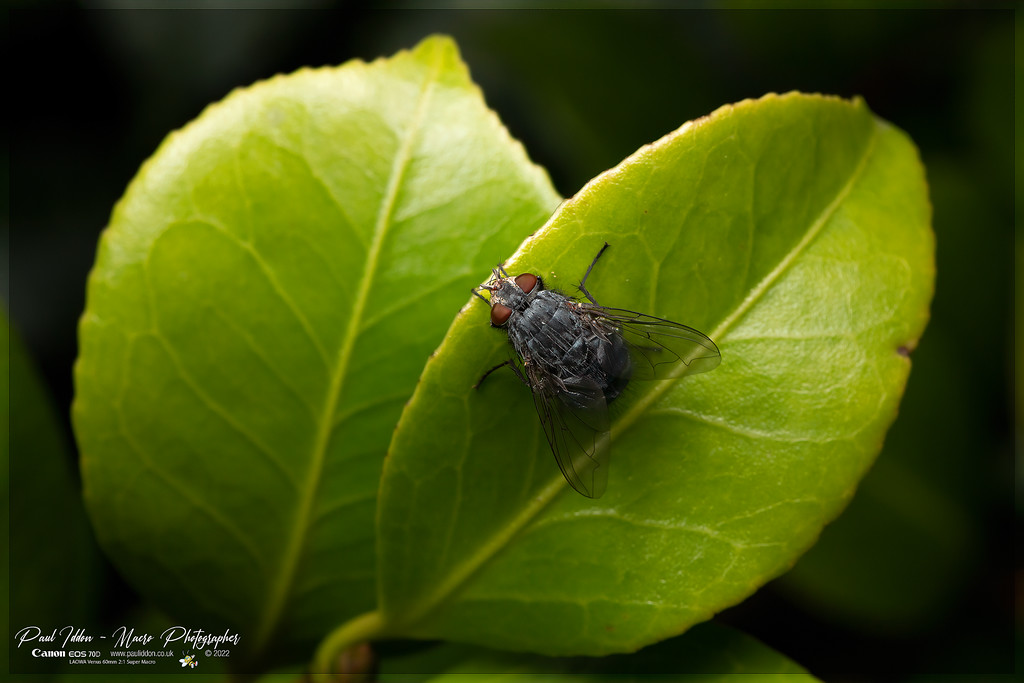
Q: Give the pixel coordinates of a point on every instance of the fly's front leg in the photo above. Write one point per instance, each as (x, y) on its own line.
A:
(511, 364)
(583, 282)
(497, 273)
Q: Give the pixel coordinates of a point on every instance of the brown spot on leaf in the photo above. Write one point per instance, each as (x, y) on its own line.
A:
(906, 348)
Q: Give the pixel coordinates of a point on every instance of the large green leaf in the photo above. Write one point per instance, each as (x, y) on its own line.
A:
(795, 231)
(262, 303)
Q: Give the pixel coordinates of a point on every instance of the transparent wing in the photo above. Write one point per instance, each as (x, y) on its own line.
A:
(574, 414)
(660, 347)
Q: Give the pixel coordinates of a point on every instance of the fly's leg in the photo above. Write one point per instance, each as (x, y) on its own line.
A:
(583, 282)
(511, 364)
(497, 272)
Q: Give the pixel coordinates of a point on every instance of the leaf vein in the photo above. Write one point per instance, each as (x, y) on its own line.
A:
(259, 353)
(280, 589)
(197, 502)
(268, 274)
(748, 432)
(217, 409)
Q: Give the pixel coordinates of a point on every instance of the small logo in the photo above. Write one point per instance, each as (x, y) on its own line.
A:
(189, 661)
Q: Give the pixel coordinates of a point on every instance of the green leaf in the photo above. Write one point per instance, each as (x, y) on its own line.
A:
(710, 652)
(795, 231)
(54, 561)
(262, 304)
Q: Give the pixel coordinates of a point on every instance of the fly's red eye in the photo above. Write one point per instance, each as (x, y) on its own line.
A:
(526, 282)
(500, 314)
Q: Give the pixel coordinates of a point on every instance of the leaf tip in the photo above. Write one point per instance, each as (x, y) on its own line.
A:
(441, 49)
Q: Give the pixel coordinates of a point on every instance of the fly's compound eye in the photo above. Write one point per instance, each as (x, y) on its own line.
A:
(526, 282)
(500, 314)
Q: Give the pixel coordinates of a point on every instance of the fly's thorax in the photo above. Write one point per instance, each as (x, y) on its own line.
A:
(553, 335)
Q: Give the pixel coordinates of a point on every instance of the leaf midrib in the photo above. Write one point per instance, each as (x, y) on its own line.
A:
(281, 588)
(460, 573)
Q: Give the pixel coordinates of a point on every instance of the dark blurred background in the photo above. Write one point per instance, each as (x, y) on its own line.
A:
(917, 577)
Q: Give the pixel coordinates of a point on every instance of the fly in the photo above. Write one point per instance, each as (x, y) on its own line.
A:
(577, 356)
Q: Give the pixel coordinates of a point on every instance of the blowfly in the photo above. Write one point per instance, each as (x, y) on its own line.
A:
(577, 356)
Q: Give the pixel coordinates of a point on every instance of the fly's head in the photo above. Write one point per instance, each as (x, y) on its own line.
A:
(509, 294)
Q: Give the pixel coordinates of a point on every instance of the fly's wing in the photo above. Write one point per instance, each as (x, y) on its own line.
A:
(660, 348)
(575, 420)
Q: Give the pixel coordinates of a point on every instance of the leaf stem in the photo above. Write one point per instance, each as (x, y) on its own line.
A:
(357, 630)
